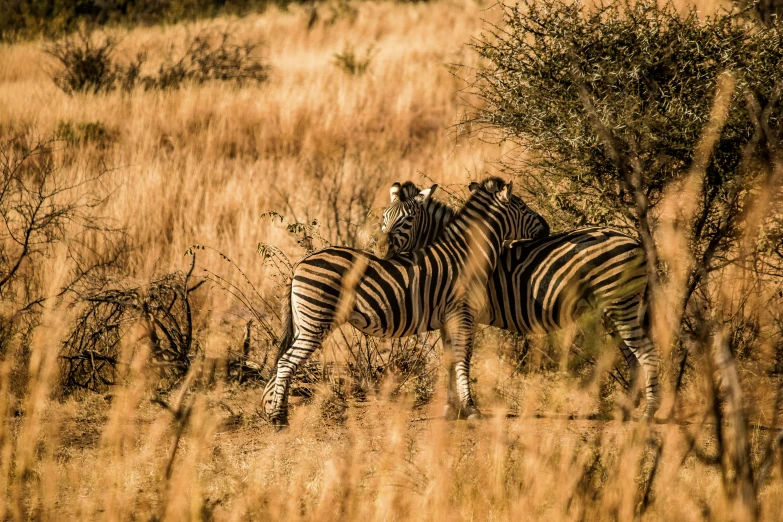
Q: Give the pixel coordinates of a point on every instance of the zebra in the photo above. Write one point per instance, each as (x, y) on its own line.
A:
(542, 285)
(434, 288)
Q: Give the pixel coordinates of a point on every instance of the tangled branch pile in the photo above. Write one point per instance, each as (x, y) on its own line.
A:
(92, 350)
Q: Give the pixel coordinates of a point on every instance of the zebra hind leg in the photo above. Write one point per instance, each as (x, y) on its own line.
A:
(451, 410)
(460, 333)
(275, 397)
(636, 339)
(634, 396)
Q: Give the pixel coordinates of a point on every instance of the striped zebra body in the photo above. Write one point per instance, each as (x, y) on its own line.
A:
(542, 285)
(434, 288)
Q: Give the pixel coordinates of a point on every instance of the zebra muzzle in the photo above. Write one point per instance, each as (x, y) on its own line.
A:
(382, 248)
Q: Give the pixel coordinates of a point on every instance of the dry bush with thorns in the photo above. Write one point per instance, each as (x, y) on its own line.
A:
(108, 311)
(46, 214)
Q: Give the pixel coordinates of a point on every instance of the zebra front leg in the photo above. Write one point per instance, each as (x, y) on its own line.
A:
(460, 330)
(275, 398)
(451, 410)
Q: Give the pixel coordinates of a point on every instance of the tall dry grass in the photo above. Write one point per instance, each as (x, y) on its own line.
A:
(200, 166)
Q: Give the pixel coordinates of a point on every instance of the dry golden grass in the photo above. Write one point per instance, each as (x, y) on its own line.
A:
(199, 166)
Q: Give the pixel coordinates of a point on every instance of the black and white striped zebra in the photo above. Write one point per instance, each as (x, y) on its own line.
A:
(543, 285)
(435, 288)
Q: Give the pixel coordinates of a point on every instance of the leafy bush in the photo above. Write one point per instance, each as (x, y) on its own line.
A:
(616, 103)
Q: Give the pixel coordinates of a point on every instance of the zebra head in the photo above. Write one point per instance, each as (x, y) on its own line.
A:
(405, 216)
(524, 223)
(415, 220)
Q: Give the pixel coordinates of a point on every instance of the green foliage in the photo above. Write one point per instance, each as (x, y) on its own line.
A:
(650, 73)
(305, 234)
(616, 105)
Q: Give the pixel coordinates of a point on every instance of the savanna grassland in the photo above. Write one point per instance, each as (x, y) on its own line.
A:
(357, 96)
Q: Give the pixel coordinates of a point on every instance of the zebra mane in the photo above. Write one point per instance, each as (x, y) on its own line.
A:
(408, 191)
(439, 211)
(489, 185)
(492, 184)
(440, 215)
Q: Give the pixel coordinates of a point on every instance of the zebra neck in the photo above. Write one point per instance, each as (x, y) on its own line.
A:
(436, 218)
(475, 240)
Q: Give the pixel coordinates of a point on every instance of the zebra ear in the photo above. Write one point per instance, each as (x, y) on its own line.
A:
(425, 194)
(504, 194)
(474, 186)
(394, 192)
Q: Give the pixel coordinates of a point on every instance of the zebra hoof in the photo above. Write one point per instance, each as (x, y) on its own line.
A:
(450, 413)
(648, 417)
(470, 413)
(279, 423)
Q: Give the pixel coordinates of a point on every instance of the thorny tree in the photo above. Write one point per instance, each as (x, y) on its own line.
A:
(665, 124)
(615, 106)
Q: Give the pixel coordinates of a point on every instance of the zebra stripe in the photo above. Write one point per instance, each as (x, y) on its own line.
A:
(439, 287)
(543, 285)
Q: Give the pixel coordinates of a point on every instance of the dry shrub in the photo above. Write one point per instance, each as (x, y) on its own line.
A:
(350, 62)
(89, 64)
(109, 311)
(406, 366)
(46, 212)
(211, 55)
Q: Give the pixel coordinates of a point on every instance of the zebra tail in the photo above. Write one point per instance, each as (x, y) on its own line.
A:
(287, 335)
